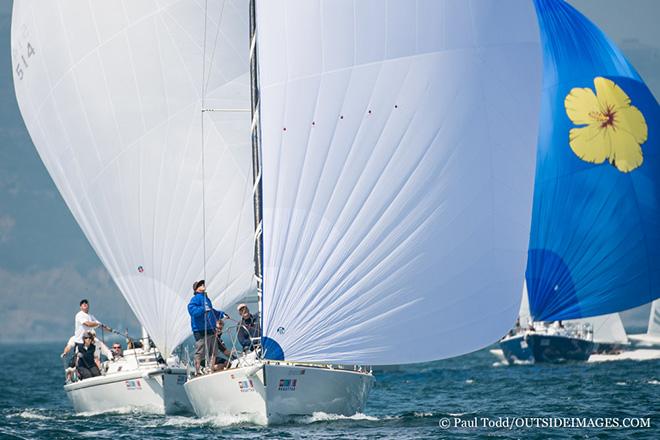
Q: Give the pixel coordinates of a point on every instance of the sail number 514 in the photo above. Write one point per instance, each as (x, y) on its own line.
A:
(23, 63)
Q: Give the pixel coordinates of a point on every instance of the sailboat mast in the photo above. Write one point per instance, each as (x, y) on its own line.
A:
(256, 155)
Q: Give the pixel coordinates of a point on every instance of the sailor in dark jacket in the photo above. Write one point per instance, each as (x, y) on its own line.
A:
(203, 318)
(250, 327)
(220, 362)
(87, 362)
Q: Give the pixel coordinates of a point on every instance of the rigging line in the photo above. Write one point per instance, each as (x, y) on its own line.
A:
(215, 40)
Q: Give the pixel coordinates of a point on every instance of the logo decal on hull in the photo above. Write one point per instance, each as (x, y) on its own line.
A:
(287, 385)
(245, 385)
(133, 384)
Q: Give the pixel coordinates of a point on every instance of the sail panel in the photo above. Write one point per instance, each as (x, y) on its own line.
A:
(112, 98)
(653, 328)
(595, 239)
(524, 318)
(398, 159)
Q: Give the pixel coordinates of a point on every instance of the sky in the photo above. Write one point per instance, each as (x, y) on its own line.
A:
(47, 265)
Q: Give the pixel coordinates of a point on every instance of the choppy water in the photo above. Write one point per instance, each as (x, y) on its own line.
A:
(405, 404)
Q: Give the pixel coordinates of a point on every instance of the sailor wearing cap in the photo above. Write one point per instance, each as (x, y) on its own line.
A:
(249, 327)
(86, 322)
(202, 319)
(87, 361)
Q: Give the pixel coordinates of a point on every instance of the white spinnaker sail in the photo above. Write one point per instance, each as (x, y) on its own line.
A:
(608, 329)
(111, 93)
(398, 154)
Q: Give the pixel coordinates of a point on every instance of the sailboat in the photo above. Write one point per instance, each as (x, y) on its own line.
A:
(393, 179)
(142, 120)
(594, 237)
(609, 334)
(536, 341)
(641, 347)
(652, 336)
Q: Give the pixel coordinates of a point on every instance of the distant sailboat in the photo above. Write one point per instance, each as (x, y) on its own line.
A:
(114, 95)
(609, 334)
(652, 335)
(596, 219)
(393, 179)
(639, 347)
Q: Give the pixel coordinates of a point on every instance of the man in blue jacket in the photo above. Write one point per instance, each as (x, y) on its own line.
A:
(203, 318)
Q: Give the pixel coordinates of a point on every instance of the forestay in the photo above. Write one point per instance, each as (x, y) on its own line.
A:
(112, 93)
(398, 149)
(595, 239)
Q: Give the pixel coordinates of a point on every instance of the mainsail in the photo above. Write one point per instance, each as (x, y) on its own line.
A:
(595, 239)
(398, 159)
(112, 94)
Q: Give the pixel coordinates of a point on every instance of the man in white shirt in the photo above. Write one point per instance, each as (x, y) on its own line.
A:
(85, 322)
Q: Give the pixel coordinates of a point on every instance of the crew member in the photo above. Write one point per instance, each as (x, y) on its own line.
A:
(87, 361)
(248, 328)
(202, 319)
(117, 352)
(85, 322)
(220, 363)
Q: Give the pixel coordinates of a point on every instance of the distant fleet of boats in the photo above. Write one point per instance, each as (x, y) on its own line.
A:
(365, 172)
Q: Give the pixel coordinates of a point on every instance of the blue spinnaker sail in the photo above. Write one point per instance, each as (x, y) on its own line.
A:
(595, 237)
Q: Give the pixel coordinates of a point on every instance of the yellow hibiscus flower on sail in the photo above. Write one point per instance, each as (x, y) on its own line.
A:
(613, 129)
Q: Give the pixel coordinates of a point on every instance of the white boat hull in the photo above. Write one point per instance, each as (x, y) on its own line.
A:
(272, 393)
(158, 391)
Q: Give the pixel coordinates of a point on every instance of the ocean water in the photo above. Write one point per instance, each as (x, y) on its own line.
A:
(410, 403)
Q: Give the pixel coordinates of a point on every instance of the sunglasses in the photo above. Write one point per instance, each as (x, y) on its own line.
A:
(87, 337)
